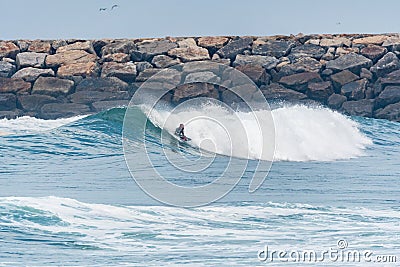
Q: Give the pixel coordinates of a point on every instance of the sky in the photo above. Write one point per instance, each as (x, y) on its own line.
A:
(56, 19)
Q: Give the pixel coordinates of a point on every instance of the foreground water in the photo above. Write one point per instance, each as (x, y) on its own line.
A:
(67, 198)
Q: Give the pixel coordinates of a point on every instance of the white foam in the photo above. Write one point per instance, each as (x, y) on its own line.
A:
(301, 133)
(28, 124)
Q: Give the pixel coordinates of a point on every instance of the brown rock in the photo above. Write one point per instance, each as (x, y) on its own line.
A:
(343, 77)
(320, 91)
(8, 49)
(190, 53)
(87, 97)
(299, 81)
(212, 42)
(192, 90)
(255, 72)
(363, 107)
(35, 102)
(390, 112)
(13, 85)
(335, 101)
(88, 69)
(110, 84)
(376, 39)
(69, 57)
(117, 57)
(123, 71)
(373, 52)
(31, 74)
(163, 61)
(40, 47)
(86, 46)
(63, 110)
(52, 86)
(276, 91)
(335, 42)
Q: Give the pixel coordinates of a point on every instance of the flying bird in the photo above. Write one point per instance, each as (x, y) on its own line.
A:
(102, 9)
(114, 6)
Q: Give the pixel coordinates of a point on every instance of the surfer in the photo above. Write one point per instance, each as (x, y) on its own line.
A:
(180, 132)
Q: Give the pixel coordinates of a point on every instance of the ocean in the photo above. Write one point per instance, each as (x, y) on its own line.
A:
(67, 197)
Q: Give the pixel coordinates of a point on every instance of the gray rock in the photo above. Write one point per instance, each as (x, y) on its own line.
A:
(390, 112)
(366, 74)
(31, 59)
(143, 65)
(274, 48)
(149, 49)
(256, 73)
(392, 43)
(385, 65)
(193, 53)
(343, 77)
(63, 110)
(8, 49)
(23, 45)
(11, 114)
(205, 77)
(392, 78)
(11, 85)
(363, 107)
(266, 62)
(307, 50)
(235, 47)
(299, 81)
(58, 43)
(118, 47)
(191, 90)
(110, 84)
(163, 61)
(305, 64)
(106, 105)
(320, 91)
(124, 71)
(352, 62)
(390, 95)
(6, 69)
(373, 52)
(355, 90)
(8, 102)
(35, 102)
(52, 86)
(87, 97)
(327, 72)
(146, 74)
(277, 92)
(31, 74)
(335, 101)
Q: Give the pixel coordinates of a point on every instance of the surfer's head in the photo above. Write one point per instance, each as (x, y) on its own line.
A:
(181, 126)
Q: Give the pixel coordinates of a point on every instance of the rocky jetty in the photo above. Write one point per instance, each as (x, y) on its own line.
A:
(355, 74)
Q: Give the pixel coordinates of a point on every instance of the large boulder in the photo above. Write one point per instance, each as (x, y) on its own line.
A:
(320, 91)
(392, 43)
(163, 61)
(373, 52)
(385, 65)
(375, 39)
(146, 74)
(110, 84)
(31, 74)
(106, 105)
(52, 86)
(8, 102)
(147, 50)
(118, 47)
(303, 64)
(40, 46)
(86, 46)
(117, 57)
(235, 47)
(392, 78)
(335, 42)
(362, 107)
(6, 69)
(390, 95)
(8, 49)
(31, 59)
(186, 54)
(88, 69)
(14, 85)
(191, 90)
(203, 76)
(276, 92)
(341, 78)
(390, 112)
(352, 62)
(266, 62)
(35, 102)
(63, 110)
(307, 50)
(124, 71)
(255, 72)
(212, 42)
(299, 81)
(87, 97)
(69, 57)
(274, 48)
(355, 90)
(10, 114)
(335, 101)
(186, 42)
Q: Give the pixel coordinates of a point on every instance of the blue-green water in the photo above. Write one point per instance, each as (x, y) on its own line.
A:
(67, 197)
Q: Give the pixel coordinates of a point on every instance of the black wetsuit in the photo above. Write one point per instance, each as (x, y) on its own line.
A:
(180, 131)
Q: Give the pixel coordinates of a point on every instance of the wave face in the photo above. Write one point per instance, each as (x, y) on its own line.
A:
(301, 133)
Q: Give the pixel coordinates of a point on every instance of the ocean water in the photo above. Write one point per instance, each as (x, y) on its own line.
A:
(67, 197)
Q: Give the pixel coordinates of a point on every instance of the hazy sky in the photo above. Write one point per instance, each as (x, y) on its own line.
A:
(50, 19)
